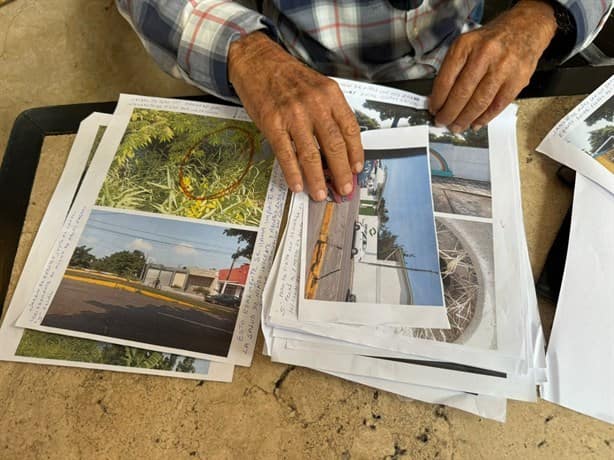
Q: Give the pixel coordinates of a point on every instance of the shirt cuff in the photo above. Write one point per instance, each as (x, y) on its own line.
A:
(590, 17)
(210, 27)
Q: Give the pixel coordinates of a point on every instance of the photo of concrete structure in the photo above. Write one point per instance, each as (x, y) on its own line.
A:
(460, 176)
(467, 259)
(190, 280)
(460, 164)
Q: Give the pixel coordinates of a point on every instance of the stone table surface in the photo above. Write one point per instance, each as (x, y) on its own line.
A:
(59, 52)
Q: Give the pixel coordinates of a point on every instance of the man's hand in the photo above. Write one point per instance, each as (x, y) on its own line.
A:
(293, 106)
(485, 69)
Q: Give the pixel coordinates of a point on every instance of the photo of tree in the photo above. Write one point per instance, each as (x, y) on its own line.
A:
(595, 135)
(190, 166)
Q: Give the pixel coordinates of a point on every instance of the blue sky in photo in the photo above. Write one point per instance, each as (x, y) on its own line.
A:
(164, 241)
(409, 204)
(201, 366)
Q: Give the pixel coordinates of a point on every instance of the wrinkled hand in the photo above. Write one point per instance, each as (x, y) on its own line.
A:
(294, 106)
(485, 69)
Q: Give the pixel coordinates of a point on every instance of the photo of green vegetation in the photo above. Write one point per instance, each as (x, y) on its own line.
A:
(190, 166)
(35, 344)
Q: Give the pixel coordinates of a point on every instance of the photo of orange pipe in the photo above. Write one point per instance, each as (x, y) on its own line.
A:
(319, 251)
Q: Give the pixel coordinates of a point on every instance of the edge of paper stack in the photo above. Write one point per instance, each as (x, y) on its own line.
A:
(419, 285)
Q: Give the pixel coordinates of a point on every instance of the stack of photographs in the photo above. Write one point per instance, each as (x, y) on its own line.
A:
(160, 253)
(434, 225)
(155, 246)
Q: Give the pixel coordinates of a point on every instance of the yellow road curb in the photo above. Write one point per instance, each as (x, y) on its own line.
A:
(123, 287)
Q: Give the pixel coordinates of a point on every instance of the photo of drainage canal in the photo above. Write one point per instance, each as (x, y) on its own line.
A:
(379, 245)
(154, 280)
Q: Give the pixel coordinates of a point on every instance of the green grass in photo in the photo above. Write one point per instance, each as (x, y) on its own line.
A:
(35, 344)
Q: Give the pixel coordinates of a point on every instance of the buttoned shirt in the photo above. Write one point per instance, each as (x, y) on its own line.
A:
(362, 39)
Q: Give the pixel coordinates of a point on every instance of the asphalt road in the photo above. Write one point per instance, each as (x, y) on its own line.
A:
(107, 311)
(336, 272)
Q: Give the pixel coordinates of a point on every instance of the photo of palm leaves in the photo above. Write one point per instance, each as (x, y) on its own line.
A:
(190, 166)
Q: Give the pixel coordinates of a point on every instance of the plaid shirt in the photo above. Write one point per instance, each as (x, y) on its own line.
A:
(361, 39)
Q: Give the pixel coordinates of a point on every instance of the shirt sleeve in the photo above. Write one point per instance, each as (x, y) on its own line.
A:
(190, 38)
(589, 16)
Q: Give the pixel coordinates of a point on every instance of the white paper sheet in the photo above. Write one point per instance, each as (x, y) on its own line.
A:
(580, 355)
(11, 336)
(584, 139)
(244, 336)
(303, 348)
(481, 405)
(387, 369)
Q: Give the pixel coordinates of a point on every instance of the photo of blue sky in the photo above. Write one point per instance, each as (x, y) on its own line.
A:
(410, 211)
(169, 242)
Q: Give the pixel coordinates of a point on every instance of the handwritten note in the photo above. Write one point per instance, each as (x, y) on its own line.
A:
(246, 329)
(381, 94)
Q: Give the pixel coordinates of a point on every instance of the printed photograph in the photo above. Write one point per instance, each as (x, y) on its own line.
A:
(460, 171)
(378, 245)
(36, 344)
(595, 135)
(155, 280)
(190, 166)
(460, 164)
(467, 260)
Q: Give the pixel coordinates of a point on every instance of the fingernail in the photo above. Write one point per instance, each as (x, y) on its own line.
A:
(297, 188)
(476, 128)
(455, 129)
(357, 167)
(439, 124)
(320, 195)
(347, 189)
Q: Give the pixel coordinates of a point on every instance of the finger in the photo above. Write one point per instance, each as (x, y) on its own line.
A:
(507, 93)
(461, 92)
(452, 65)
(310, 161)
(480, 101)
(350, 130)
(333, 146)
(286, 156)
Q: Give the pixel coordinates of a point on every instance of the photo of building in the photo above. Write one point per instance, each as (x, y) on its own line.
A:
(132, 272)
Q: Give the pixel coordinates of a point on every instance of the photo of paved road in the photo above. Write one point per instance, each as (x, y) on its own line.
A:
(99, 309)
(329, 249)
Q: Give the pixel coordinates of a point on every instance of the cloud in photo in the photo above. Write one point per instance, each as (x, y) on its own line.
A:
(185, 249)
(139, 244)
(89, 239)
